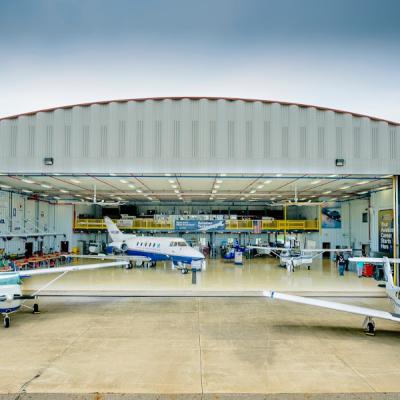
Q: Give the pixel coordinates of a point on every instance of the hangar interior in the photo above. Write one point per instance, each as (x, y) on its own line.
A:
(273, 173)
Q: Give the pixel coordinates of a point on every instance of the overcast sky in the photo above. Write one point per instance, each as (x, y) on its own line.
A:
(336, 53)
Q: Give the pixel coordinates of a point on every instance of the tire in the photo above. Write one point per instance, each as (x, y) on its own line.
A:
(370, 328)
(7, 322)
(36, 308)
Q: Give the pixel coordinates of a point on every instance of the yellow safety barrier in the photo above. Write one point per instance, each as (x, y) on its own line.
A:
(230, 224)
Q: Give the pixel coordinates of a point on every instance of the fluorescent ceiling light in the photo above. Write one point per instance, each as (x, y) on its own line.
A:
(174, 186)
(278, 175)
(44, 195)
(211, 198)
(222, 174)
(75, 181)
(214, 191)
(266, 182)
(242, 198)
(333, 176)
(167, 174)
(112, 174)
(362, 183)
(171, 181)
(347, 195)
(131, 186)
(64, 191)
(176, 191)
(56, 198)
(344, 187)
(219, 181)
(88, 198)
(139, 191)
(27, 191)
(327, 192)
(387, 176)
(123, 181)
(5, 187)
(260, 186)
(315, 182)
(364, 192)
(78, 195)
(272, 198)
(27, 180)
(279, 195)
(252, 191)
(45, 186)
(216, 186)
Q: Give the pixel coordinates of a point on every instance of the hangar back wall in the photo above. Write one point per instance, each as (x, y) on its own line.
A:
(198, 135)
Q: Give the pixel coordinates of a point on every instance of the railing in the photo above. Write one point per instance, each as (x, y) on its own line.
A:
(230, 224)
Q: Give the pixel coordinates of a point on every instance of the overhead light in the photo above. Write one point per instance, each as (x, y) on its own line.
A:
(150, 198)
(131, 186)
(56, 198)
(5, 187)
(174, 186)
(266, 182)
(123, 181)
(27, 191)
(75, 181)
(171, 181)
(347, 195)
(88, 198)
(272, 198)
(260, 186)
(219, 181)
(56, 174)
(27, 180)
(344, 187)
(44, 195)
(214, 191)
(242, 198)
(252, 191)
(64, 191)
(112, 174)
(313, 196)
(216, 186)
(167, 174)
(222, 174)
(78, 195)
(304, 198)
(278, 175)
(315, 182)
(335, 198)
(211, 198)
(176, 191)
(362, 183)
(364, 192)
(279, 195)
(387, 176)
(139, 191)
(309, 201)
(384, 187)
(327, 192)
(333, 176)
(45, 186)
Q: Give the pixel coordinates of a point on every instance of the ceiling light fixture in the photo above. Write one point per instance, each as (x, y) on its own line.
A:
(176, 191)
(75, 181)
(5, 187)
(327, 192)
(266, 182)
(315, 182)
(219, 181)
(123, 181)
(214, 191)
(139, 191)
(131, 186)
(278, 175)
(344, 187)
(64, 191)
(216, 186)
(27, 191)
(260, 186)
(253, 191)
(45, 186)
(362, 183)
(27, 180)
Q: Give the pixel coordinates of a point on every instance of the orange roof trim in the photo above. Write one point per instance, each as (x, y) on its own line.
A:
(200, 98)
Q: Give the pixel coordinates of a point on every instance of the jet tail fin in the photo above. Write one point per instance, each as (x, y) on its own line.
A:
(113, 230)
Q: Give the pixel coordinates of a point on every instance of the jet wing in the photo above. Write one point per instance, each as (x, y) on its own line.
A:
(374, 260)
(70, 268)
(326, 250)
(367, 312)
(112, 257)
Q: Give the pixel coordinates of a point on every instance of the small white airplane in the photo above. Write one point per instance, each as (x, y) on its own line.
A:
(11, 297)
(292, 257)
(392, 291)
(152, 249)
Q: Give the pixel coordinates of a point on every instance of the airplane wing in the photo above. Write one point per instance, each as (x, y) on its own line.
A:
(374, 260)
(69, 268)
(367, 312)
(111, 257)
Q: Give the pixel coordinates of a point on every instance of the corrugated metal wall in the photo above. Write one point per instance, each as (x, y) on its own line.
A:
(198, 136)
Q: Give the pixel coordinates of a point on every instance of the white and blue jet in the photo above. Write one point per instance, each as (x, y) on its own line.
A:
(11, 297)
(152, 249)
(392, 291)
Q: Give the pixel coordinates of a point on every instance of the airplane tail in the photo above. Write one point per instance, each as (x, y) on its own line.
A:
(113, 230)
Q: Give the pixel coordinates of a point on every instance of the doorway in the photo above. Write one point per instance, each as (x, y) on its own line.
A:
(326, 245)
(28, 249)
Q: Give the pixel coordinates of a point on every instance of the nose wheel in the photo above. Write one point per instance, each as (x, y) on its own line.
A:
(6, 321)
(36, 308)
(369, 326)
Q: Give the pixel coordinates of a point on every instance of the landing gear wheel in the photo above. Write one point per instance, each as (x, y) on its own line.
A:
(370, 329)
(184, 271)
(309, 267)
(6, 322)
(36, 308)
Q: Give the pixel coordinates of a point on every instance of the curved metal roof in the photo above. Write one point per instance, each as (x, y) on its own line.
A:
(199, 98)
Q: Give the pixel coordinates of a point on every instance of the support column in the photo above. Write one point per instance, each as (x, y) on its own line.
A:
(396, 215)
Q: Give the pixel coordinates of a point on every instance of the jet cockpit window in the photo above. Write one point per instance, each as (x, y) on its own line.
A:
(10, 280)
(182, 243)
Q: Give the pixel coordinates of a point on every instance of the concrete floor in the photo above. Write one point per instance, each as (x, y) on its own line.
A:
(219, 278)
(197, 347)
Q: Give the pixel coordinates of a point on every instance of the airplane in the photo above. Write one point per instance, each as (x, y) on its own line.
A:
(292, 257)
(393, 292)
(11, 297)
(152, 249)
(215, 226)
